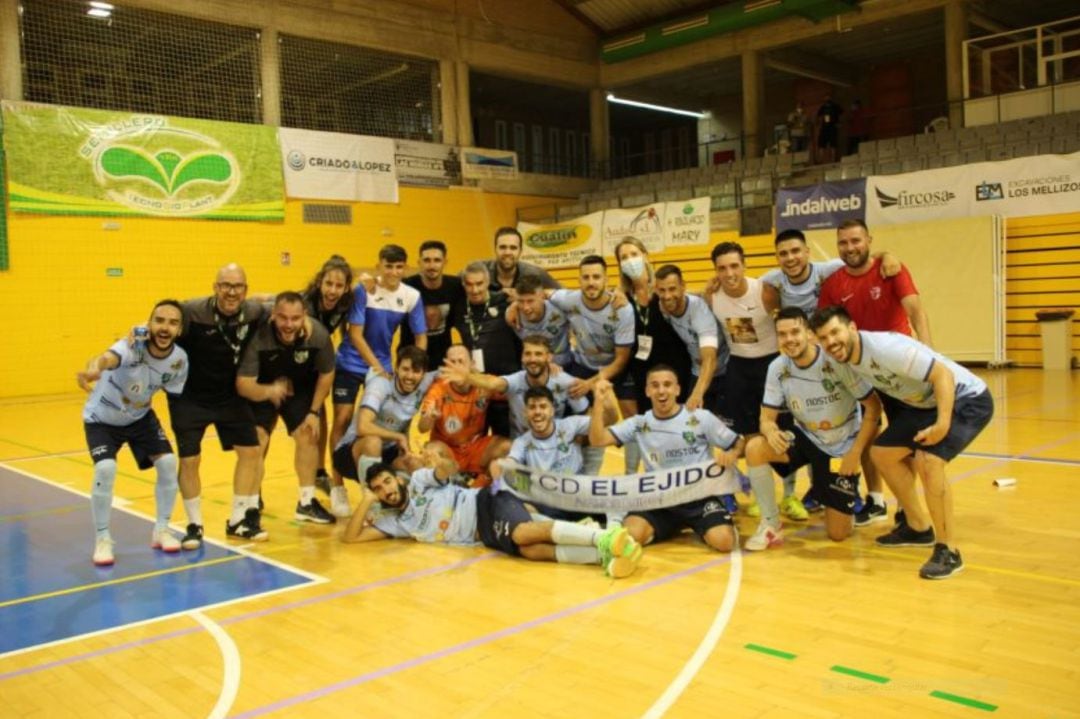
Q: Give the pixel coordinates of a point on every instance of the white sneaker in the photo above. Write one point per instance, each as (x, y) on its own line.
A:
(766, 536)
(339, 502)
(103, 554)
(165, 540)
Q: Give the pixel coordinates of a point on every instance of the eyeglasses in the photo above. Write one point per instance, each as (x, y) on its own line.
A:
(231, 286)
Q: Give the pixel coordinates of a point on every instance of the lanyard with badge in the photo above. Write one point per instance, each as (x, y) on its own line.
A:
(644, 340)
(474, 333)
(222, 323)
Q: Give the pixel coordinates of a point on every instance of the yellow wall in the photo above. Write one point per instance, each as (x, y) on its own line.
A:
(62, 308)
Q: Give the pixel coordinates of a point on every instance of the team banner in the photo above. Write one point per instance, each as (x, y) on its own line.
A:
(620, 493)
(427, 163)
(1026, 186)
(563, 244)
(478, 163)
(820, 206)
(645, 223)
(76, 161)
(335, 166)
(687, 222)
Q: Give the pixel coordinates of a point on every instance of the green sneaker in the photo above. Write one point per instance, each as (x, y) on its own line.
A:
(793, 509)
(619, 552)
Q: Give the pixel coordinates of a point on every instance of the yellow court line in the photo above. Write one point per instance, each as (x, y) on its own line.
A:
(132, 578)
(983, 568)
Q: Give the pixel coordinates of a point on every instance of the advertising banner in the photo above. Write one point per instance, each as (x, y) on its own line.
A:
(687, 222)
(820, 206)
(918, 196)
(478, 163)
(623, 493)
(336, 166)
(427, 163)
(75, 161)
(645, 223)
(562, 244)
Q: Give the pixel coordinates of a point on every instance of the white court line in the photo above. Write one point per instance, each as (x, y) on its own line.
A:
(230, 657)
(708, 642)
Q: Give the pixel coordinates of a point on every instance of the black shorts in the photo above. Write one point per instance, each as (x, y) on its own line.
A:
(831, 489)
(743, 390)
(342, 459)
(294, 410)
(144, 436)
(233, 420)
(970, 415)
(497, 516)
(827, 136)
(346, 386)
(714, 395)
(700, 515)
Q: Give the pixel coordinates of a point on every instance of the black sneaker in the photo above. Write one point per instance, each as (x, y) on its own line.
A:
(904, 536)
(943, 563)
(313, 512)
(193, 537)
(322, 482)
(260, 502)
(900, 519)
(870, 513)
(248, 528)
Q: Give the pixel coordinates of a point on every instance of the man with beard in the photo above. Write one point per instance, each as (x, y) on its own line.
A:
(507, 267)
(287, 372)
(118, 411)
(875, 304)
(381, 430)
(536, 359)
(216, 331)
(442, 295)
(491, 341)
(824, 397)
(696, 326)
(429, 508)
(670, 435)
(937, 410)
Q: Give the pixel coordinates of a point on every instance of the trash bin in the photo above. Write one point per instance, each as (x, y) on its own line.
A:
(1056, 329)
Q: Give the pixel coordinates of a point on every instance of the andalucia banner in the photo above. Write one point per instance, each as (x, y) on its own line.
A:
(74, 161)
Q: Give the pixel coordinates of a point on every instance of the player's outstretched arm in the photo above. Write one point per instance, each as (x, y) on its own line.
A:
(94, 368)
(359, 528)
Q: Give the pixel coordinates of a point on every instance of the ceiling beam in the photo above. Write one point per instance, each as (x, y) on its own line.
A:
(572, 8)
(815, 67)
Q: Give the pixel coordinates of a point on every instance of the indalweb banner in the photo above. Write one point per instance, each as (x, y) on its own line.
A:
(625, 493)
(820, 206)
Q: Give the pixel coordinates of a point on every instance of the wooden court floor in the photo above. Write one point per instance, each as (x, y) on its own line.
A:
(815, 629)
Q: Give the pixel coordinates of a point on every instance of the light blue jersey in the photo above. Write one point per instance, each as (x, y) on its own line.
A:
(123, 394)
(559, 384)
(436, 512)
(899, 366)
(555, 326)
(380, 313)
(803, 295)
(596, 332)
(697, 328)
(393, 409)
(558, 452)
(823, 399)
(687, 438)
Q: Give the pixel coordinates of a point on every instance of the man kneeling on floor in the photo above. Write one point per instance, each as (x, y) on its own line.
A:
(430, 508)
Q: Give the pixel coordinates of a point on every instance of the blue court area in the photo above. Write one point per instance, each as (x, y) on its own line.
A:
(52, 591)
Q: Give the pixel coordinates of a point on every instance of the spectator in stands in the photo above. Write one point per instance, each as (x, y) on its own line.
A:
(798, 124)
(828, 119)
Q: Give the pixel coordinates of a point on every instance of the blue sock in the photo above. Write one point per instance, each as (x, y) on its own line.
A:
(165, 489)
(101, 496)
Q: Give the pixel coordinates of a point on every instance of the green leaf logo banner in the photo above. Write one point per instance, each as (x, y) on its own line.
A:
(167, 169)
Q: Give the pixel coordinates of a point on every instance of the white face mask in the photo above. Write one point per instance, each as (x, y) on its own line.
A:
(633, 267)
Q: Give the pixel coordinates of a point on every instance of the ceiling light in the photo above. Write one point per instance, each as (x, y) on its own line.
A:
(658, 108)
(99, 12)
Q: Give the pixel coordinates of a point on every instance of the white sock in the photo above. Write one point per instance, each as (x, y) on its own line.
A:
(306, 495)
(165, 489)
(101, 496)
(339, 495)
(193, 509)
(239, 506)
(571, 533)
(789, 485)
(878, 497)
(251, 501)
(569, 554)
(761, 479)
